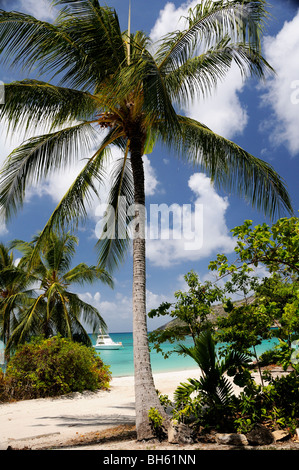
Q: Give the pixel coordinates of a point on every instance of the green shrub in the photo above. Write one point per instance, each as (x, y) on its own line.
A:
(276, 405)
(280, 354)
(52, 367)
(156, 422)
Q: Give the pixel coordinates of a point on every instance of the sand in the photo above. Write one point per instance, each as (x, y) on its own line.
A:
(52, 421)
(102, 420)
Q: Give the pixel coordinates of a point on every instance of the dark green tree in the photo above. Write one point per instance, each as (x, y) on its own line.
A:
(55, 309)
(191, 312)
(15, 293)
(214, 388)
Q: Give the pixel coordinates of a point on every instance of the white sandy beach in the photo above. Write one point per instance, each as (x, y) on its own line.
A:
(53, 421)
(80, 421)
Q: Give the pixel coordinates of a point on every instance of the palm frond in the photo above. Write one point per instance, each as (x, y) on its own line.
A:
(199, 75)
(83, 38)
(139, 89)
(213, 384)
(203, 352)
(34, 44)
(86, 313)
(83, 273)
(185, 389)
(28, 323)
(157, 102)
(225, 391)
(96, 30)
(73, 206)
(207, 23)
(39, 156)
(230, 167)
(114, 240)
(6, 256)
(31, 103)
(59, 252)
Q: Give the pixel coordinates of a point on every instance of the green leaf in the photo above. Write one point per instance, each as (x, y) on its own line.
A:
(37, 158)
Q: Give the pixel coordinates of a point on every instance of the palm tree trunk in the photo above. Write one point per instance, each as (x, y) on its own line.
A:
(145, 392)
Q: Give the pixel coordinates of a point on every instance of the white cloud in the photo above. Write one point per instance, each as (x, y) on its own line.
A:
(281, 92)
(222, 112)
(118, 312)
(41, 9)
(215, 234)
(170, 19)
(57, 183)
(150, 177)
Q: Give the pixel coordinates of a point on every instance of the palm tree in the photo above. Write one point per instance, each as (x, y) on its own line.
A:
(55, 309)
(15, 294)
(117, 89)
(214, 386)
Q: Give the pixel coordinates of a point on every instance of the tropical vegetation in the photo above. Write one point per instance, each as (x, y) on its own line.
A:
(38, 300)
(225, 346)
(52, 367)
(106, 88)
(190, 312)
(14, 293)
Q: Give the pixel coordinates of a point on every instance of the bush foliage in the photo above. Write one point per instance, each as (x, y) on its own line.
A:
(52, 367)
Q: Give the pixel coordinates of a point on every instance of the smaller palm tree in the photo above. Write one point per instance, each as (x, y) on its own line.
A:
(54, 308)
(215, 388)
(15, 293)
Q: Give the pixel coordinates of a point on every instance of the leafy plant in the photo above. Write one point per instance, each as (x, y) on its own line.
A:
(156, 421)
(164, 400)
(214, 390)
(280, 354)
(275, 405)
(190, 312)
(276, 247)
(274, 299)
(54, 366)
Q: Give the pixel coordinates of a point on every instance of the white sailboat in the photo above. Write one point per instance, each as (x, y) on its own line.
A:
(104, 341)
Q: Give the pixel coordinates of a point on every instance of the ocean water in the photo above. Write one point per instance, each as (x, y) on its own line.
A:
(121, 360)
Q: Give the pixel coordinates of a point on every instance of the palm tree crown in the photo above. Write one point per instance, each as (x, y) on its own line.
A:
(133, 97)
(117, 89)
(54, 308)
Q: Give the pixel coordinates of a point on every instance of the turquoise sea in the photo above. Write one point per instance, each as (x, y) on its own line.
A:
(121, 360)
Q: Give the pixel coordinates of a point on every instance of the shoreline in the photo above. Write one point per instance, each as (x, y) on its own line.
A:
(46, 422)
(159, 372)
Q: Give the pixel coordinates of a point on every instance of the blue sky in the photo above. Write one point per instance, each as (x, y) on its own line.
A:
(262, 118)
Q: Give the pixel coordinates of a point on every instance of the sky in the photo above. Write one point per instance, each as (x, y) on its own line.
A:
(263, 118)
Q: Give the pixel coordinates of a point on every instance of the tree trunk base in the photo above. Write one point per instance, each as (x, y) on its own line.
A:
(146, 432)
